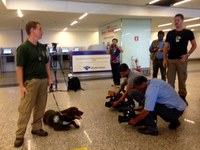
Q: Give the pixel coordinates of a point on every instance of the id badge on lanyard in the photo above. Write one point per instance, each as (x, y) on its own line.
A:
(178, 38)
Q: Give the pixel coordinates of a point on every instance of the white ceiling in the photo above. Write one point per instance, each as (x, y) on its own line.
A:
(57, 21)
(194, 4)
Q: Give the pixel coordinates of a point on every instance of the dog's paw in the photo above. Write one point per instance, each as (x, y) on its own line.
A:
(76, 126)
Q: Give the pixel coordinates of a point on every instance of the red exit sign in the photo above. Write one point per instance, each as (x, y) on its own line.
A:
(136, 38)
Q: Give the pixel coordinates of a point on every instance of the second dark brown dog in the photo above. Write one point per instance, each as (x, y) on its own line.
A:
(61, 122)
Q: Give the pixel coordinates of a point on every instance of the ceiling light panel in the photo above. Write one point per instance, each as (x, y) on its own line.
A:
(73, 23)
(83, 16)
(163, 25)
(181, 2)
(192, 19)
(20, 14)
(152, 2)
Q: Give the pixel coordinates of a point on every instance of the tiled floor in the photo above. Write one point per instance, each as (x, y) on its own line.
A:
(99, 128)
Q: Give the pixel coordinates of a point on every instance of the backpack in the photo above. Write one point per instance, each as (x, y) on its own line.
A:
(74, 84)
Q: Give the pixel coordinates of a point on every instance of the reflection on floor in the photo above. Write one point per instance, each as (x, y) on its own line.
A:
(99, 128)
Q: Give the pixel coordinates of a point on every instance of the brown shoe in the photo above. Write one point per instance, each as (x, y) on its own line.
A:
(18, 142)
(39, 132)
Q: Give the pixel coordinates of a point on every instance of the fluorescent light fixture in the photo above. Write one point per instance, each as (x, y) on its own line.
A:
(19, 12)
(192, 29)
(4, 2)
(193, 25)
(163, 25)
(165, 30)
(152, 2)
(65, 29)
(118, 29)
(181, 2)
(192, 19)
(73, 23)
(83, 16)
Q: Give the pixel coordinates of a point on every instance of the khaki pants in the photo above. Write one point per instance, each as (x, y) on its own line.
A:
(176, 66)
(34, 101)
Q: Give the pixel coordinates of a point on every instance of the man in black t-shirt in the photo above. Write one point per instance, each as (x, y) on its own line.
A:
(178, 54)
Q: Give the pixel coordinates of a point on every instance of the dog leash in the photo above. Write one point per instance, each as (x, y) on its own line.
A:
(52, 91)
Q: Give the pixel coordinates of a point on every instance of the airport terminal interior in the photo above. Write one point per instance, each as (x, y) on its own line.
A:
(135, 24)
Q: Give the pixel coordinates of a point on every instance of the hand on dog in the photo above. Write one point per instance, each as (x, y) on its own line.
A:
(132, 122)
(114, 104)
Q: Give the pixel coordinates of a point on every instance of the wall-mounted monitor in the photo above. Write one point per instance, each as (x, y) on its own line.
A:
(76, 49)
(7, 51)
(65, 50)
(51, 50)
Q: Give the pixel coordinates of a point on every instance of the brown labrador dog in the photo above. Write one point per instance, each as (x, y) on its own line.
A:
(61, 122)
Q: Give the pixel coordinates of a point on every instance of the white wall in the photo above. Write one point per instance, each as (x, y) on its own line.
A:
(12, 38)
(71, 39)
(195, 54)
(135, 42)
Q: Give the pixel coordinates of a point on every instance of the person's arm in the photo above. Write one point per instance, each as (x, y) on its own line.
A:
(128, 88)
(19, 71)
(122, 86)
(140, 117)
(49, 74)
(194, 46)
(154, 46)
(108, 51)
(151, 48)
(120, 49)
(165, 52)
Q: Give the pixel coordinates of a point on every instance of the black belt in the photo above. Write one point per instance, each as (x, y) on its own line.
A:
(159, 58)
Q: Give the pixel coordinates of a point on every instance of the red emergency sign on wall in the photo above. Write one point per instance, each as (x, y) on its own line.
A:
(136, 38)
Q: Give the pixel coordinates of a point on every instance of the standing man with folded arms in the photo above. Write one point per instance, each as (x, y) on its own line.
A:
(33, 74)
(176, 58)
(156, 49)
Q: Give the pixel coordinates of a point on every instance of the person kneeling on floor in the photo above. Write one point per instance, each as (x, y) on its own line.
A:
(130, 76)
(160, 99)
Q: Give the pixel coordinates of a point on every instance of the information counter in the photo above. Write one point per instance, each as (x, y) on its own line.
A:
(90, 63)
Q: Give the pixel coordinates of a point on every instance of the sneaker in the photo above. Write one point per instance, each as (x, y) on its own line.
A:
(39, 132)
(174, 124)
(149, 130)
(18, 142)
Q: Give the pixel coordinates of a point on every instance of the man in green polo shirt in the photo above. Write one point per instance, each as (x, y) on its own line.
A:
(33, 74)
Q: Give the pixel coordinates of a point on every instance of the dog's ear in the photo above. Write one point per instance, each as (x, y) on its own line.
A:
(74, 110)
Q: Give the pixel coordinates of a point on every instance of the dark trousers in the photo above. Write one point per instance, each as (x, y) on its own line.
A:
(137, 95)
(168, 114)
(158, 63)
(115, 73)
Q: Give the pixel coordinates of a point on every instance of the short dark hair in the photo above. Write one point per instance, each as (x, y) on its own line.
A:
(139, 80)
(31, 24)
(161, 33)
(179, 15)
(123, 67)
(115, 39)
